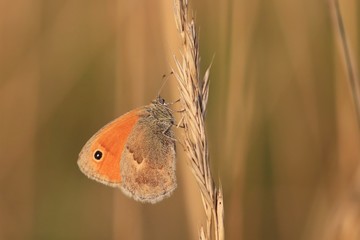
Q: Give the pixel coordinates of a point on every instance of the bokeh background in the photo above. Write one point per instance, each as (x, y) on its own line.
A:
(284, 139)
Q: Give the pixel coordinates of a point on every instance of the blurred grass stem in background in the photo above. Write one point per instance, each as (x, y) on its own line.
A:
(352, 74)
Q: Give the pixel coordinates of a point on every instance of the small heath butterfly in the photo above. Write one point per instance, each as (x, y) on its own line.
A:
(135, 152)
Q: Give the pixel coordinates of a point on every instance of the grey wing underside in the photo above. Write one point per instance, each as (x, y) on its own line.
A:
(147, 164)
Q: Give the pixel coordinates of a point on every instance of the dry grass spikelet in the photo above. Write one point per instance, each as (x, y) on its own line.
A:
(194, 93)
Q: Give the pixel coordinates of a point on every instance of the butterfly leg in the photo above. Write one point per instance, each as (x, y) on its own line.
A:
(180, 122)
(171, 103)
(181, 110)
(166, 130)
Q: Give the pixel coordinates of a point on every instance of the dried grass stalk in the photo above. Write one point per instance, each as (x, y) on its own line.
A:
(353, 78)
(194, 93)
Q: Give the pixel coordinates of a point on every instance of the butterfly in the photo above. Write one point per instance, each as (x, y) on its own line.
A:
(135, 152)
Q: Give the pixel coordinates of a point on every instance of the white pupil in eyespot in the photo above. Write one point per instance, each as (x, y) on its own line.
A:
(98, 155)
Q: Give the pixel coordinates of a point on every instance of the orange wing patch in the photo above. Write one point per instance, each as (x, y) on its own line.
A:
(110, 140)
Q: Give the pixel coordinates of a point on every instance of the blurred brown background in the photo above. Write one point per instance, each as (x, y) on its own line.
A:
(282, 128)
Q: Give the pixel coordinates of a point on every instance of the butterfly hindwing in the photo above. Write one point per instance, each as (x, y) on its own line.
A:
(148, 160)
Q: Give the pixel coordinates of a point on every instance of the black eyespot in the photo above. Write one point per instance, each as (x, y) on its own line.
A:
(98, 155)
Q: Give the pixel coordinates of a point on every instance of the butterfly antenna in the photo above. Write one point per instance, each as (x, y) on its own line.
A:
(165, 78)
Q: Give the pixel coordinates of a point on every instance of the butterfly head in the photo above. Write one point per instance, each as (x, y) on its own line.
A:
(161, 110)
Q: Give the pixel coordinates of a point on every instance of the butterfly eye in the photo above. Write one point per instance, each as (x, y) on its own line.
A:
(98, 155)
(161, 100)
